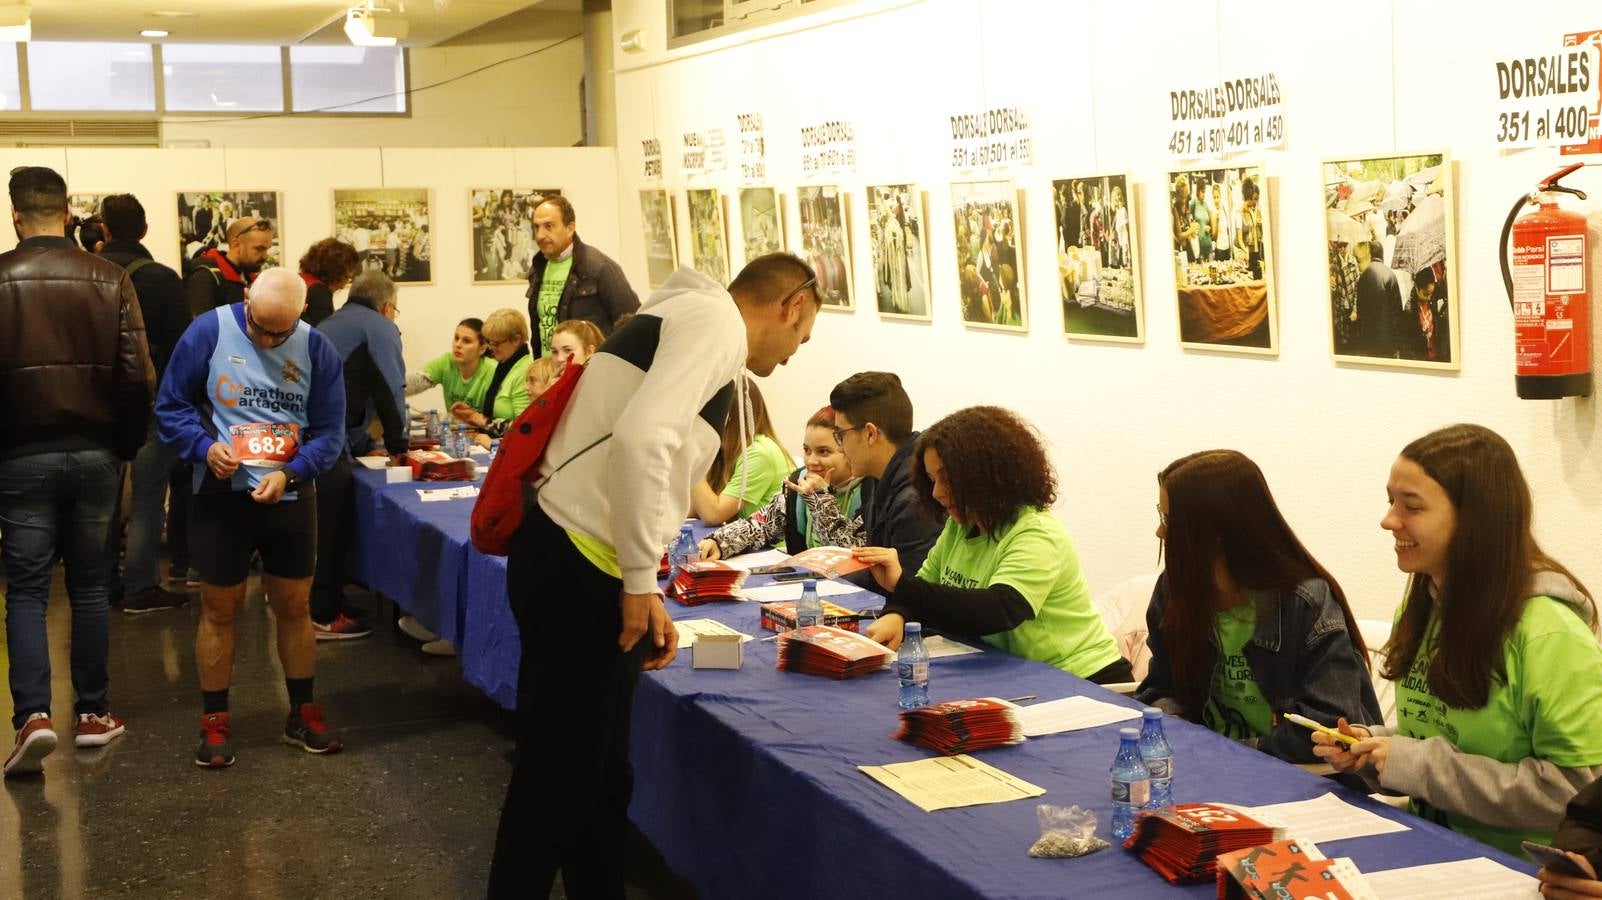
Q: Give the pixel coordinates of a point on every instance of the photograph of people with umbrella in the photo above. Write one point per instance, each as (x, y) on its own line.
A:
(1388, 226)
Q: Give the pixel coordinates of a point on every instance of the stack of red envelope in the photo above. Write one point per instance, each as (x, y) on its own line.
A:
(1184, 842)
(831, 652)
(960, 726)
(705, 581)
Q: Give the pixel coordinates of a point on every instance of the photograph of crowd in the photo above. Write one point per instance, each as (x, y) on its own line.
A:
(1096, 264)
(1388, 224)
(503, 232)
(204, 217)
(1222, 262)
(709, 251)
(898, 243)
(824, 244)
(761, 222)
(656, 220)
(388, 228)
(989, 268)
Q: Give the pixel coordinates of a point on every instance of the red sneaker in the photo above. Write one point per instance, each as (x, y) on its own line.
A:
(215, 751)
(97, 731)
(343, 628)
(306, 730)
(35, 741)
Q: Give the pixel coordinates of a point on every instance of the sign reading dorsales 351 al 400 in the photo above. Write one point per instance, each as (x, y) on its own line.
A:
(1545, 99)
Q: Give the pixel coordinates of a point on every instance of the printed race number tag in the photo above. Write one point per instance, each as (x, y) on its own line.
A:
(268, 445)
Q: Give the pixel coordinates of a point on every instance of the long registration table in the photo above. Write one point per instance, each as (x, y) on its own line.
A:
(746, 780)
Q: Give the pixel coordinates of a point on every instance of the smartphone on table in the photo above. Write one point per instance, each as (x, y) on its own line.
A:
(1554, 859)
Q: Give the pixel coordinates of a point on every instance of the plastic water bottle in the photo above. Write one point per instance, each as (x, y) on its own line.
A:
(1158, 757)
(495, 447)
(809, 609)
(459, 442)
(912, 668)
(1131, 783)
(683, 553)
(433, 424)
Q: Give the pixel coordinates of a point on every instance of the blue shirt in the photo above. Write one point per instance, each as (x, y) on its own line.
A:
(352, 327)
(218, 381)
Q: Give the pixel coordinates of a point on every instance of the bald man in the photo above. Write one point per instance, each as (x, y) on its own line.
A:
(255, 399)
(221, 275)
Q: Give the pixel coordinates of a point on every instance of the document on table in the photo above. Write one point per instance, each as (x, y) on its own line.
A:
(1070, 714)
(1322, 819)
(947, 782)
(940, 647)
(455, 493)
(748, 561)
(1467, 879)
(690, 629)
(789, 591)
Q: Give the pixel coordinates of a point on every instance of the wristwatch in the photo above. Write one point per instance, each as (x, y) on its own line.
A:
(289, 478)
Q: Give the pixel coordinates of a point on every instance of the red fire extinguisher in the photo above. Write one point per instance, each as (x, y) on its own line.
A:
(1549, 289)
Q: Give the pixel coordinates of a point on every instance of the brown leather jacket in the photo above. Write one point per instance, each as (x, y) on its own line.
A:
(75, 370)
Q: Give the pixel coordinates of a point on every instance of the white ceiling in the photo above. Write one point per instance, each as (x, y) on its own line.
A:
(261, 21)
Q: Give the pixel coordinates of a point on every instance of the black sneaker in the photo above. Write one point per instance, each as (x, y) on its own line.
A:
(306, 730)
(154, 600)
(215, 751)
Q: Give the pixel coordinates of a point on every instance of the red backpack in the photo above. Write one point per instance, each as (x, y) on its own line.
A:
(498, 511)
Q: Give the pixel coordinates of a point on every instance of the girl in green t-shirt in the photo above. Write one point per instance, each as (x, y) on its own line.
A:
(1245, 625)
(748, 469)
(1494, 652)
(1004, 567)
(464, 373)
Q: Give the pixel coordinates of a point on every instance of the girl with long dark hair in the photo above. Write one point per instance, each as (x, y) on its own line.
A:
(1494, 652)
(1245, 625)
(749, 467)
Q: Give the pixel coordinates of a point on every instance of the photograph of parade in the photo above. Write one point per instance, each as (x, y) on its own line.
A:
(709, 251)
(761, 222)
(897, 242)
(503, 232)
(388, 228)
(989, 267)
(1222, 262)
(824, 243)
(1096, 265)
(204, 217)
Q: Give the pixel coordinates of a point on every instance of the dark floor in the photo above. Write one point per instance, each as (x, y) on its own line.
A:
(408, 810)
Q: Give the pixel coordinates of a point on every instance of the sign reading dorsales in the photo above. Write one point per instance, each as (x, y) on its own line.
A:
(828, 147)
(753, 148)
(1545, 100)
(694, 161)
(651, 150)
(1231, 116)
(991, 139)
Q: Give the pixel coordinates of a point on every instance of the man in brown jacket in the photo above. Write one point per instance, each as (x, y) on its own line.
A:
(76, 386)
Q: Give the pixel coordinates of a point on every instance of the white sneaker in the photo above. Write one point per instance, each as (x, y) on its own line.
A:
(439, 647)
(415, 630)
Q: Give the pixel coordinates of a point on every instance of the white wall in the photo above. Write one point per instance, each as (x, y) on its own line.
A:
(306, 180)
(1374, 77)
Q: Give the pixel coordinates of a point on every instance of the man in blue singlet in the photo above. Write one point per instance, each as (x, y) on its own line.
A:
(255, 399)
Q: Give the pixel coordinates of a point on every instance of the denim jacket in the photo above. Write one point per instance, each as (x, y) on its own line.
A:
(1301, 657)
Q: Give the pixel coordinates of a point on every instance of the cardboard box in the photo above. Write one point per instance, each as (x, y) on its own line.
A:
(718, 651)
(397, 474)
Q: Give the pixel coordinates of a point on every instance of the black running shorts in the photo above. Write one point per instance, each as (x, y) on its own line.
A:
(227, 527)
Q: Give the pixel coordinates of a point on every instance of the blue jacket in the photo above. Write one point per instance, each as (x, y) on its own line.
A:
(895, 516)
(1302, 659)
(369, 345)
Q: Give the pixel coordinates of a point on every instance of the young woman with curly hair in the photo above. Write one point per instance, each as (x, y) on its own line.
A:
(1245, 625)
(326, 267)
(1004, 567)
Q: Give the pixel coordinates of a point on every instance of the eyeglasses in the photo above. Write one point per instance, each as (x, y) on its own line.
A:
(1162, 517)
(277, 337)
(258, 225)
(809, 283)
(840, 433)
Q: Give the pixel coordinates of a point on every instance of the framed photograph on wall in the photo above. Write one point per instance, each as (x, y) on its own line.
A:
(204, 217)
(85, 205)
(761, 221)
(1389, 233)
(1223, 261)
(899, 245)
(825, 242)
(503, 232)
(989, 259)
(656, 222)
(709, 250)
(1098, 266)
(389, 229)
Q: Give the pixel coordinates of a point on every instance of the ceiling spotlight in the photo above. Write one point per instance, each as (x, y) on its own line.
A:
(367, 25)
(153, 33)
(15, 24)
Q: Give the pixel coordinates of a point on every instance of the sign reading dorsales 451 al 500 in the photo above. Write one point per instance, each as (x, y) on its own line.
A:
(1545, 99)
(1228, 117)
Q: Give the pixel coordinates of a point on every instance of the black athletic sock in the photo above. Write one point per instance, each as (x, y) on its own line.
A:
(300, 691)
(214, 701)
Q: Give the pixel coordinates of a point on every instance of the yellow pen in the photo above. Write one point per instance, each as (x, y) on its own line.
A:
(1322, 729)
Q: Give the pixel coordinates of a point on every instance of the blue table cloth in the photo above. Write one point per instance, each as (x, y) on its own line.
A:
(746, 780)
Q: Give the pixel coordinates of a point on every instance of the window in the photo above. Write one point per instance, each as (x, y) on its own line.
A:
(222, 78)
(91, 76)
(348, 79)
(10, 81)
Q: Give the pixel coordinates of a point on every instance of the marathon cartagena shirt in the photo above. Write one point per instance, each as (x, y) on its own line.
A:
(258, 398)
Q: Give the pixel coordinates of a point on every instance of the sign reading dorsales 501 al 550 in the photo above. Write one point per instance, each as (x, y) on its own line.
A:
(1545, 99)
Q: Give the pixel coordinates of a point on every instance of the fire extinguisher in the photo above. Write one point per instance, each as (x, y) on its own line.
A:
(1550, 294)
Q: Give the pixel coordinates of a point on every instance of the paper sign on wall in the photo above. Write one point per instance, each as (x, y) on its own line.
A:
(652, 152)
(1229, 117)
(1594, 144)
(992, 139)
(828, 147)
(753, 149)
(1544, 99)
(694, 162)
(716, 158)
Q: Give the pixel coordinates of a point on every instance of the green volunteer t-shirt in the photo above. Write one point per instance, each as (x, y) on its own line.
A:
(761, 470)
(551, 285)
(1236, 707)
(511, 398)
(1035, 556)
(1549, 708)
(443, 372)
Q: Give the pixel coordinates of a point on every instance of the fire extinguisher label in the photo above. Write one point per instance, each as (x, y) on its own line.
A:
(1565, 264)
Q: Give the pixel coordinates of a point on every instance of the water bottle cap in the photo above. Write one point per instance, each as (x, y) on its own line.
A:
(686, 529)
(809, 584)
(1129, 734)
(1152, 712)
(913, 628)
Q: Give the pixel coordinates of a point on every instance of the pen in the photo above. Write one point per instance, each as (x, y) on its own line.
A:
(1021, 699)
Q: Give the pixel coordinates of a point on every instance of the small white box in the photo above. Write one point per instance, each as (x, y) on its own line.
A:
(718, 651)
(397, 474)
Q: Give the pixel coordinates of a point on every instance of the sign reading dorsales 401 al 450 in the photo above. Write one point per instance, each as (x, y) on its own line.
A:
(1231, 116)
(1545, 99)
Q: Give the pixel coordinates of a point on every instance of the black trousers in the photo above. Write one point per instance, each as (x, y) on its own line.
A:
(179, 489)
(336, 512)
(567, 805)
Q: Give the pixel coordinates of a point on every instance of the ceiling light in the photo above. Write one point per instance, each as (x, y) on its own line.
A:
(153, 33)
(173, 14)
(369, 26)
(15, 26)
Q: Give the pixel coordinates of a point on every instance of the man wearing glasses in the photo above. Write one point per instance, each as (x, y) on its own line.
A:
(217, 277)
(255, 399)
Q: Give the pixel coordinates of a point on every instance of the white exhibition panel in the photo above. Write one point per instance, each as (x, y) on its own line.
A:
(1373, 78)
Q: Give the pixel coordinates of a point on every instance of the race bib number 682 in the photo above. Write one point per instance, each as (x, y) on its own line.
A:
(268, 445)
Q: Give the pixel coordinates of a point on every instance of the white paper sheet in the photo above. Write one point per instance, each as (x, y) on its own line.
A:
(940, 647)
(373, 462)
(778, 593)
(1323, 819)
(1467, 879)
(1070, 714)
(748, 561)
(455, 493)
(944, 782)
(690, 629)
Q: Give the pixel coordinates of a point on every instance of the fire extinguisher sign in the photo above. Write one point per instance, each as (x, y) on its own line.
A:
(1565, 264)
